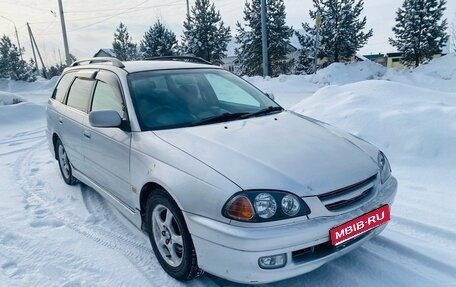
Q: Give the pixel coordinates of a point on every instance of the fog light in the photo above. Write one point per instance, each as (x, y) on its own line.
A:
(273, 262)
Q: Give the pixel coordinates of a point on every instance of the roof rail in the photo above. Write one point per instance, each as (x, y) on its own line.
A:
(180, 58)
(114, 61)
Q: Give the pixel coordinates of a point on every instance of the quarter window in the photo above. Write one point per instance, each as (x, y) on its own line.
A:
(79, 95)
(107, 97)
(62, 87)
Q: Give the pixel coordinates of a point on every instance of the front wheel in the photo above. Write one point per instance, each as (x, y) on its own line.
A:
(170, 238)
(64, 164)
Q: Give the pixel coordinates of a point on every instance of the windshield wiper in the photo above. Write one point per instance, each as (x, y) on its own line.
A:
(265, 111)
(219, 118)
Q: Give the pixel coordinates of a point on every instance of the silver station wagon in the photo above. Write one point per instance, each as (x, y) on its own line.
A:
(220, 177)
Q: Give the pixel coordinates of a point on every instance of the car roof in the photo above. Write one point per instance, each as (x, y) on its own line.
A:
(141, 66)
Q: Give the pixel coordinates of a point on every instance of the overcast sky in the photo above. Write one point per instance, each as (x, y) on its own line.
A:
(91, 24)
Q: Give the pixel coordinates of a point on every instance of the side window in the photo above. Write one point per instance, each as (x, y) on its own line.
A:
(229, 92)
(107, 97)
(62, 87)
(79, 95)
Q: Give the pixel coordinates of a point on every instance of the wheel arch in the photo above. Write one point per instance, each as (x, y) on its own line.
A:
(144, 194)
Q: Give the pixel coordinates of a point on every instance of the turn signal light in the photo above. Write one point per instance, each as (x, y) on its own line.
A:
(240, 208)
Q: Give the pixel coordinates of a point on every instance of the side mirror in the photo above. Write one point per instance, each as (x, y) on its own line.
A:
(105, 119)
(270, 95)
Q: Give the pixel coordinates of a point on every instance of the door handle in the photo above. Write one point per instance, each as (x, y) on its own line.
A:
(87, 134)
(60, 120)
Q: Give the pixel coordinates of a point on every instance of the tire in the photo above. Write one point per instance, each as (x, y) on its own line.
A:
(64, 164)
(169, 236)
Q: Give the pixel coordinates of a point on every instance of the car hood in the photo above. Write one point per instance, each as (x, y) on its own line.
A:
(280, 152)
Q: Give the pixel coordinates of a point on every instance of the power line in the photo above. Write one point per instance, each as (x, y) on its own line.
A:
(105, 18)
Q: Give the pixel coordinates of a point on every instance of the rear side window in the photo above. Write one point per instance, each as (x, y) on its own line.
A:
(62, 87)
(107, 97)
(80, 93)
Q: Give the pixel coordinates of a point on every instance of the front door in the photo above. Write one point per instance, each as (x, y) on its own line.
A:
(107, 150)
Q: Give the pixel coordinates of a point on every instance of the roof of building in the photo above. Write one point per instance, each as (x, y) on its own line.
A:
(374, 57)
(109, 52)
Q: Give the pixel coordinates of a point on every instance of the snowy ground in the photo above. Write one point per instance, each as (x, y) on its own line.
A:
(55, 235)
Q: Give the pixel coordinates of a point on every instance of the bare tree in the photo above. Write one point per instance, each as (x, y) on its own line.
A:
(452, 44)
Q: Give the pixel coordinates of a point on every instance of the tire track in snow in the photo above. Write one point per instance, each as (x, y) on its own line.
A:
(427, 229)
(36, 195)
(397, 253)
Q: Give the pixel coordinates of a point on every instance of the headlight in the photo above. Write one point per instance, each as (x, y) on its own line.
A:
(385, 168)
(290, 205)
(263, 206)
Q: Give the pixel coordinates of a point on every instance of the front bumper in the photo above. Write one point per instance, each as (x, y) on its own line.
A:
(232, 252)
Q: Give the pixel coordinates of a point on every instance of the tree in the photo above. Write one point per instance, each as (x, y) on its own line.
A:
(11, 66)
(123, 46)
(308, 52)
(57, 69)
(453, 37)
(420, 32)
(341, 31)
(205, 34)
(158, 41)
(249, 53)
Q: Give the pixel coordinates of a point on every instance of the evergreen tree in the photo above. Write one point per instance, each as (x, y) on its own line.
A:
(57, 69)
(205, 34)
(420, 32)
(123, 46)
(341, 31)
(307, 54)
(249, 54)
(11, 66)
(158, 41)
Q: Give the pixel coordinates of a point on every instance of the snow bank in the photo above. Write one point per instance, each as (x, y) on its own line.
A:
(10, 99)
(409, 123)
(340, 74)
(20, 86)
(439, 75)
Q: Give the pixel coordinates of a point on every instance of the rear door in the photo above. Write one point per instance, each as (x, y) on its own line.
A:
(107, 150)
(72, 116)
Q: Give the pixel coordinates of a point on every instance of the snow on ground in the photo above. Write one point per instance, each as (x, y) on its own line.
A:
(55, 235)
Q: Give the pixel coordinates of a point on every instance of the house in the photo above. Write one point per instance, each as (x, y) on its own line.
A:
(105, 53)
(230, 63)
(395, 60)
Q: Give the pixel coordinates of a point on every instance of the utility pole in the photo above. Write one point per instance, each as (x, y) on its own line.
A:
(17, 37)
(32, 39)
(65, 39)
(188, 9)
(33, 47)
(317, 40)
(264, 37)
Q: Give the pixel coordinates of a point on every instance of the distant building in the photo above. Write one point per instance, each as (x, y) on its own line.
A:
(230, 61)
(394, 60)
(105, 53)
(378, 58)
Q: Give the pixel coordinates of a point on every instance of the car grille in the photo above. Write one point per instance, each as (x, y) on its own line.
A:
(349, 196)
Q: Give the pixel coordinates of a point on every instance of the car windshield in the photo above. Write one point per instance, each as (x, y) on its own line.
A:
(182, 98)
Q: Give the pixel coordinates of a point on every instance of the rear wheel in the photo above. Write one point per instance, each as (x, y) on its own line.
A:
(64, 164)
(170, 238)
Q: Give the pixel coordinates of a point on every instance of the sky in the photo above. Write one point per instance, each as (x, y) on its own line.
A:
(91, 24)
